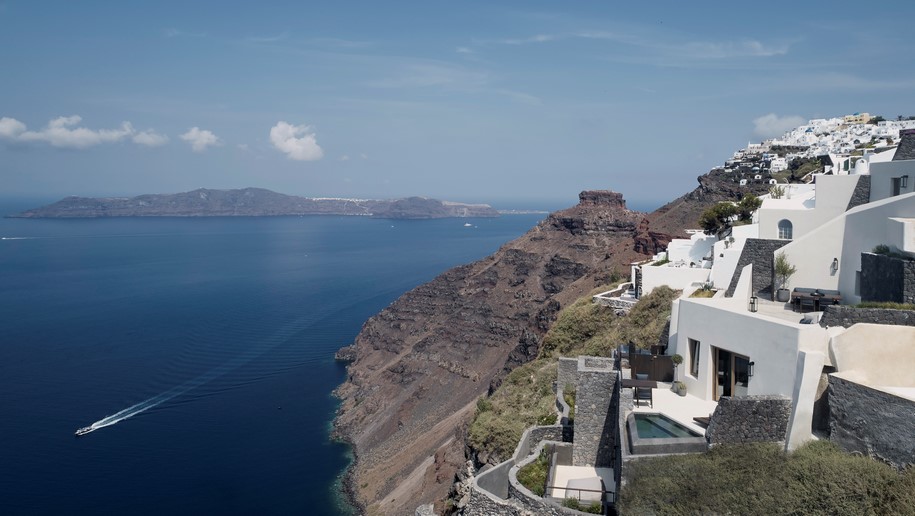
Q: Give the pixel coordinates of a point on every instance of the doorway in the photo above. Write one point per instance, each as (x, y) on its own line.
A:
(732, 374)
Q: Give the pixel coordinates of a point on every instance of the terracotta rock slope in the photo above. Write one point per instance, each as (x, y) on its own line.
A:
(421, 363)
(419, 366)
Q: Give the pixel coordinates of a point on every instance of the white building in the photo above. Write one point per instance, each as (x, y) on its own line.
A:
(729, 350)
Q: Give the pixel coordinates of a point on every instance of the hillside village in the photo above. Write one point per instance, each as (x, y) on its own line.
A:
(794, 323)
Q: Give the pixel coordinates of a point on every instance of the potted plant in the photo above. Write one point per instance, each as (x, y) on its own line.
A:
(783, 272)
(677, 360)
(681, 388)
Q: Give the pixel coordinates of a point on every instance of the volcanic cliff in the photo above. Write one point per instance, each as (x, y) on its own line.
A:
(419, 366)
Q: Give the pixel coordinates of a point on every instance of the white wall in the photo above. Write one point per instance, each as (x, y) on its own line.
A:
(882, 175)
(726, 258)
(832, 196)
(861, 352)
(676, 278)
(771, 343)
(845, 237)
(689, 250)
(901, 234)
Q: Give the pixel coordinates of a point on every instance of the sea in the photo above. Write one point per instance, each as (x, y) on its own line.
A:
(199, 350)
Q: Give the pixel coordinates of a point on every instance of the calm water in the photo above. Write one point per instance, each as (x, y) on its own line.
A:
(219, 332)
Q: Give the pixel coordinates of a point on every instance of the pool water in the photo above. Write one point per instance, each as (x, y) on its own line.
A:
(658, 426)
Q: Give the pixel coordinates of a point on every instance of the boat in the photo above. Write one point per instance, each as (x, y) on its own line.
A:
(84, 431)
(467, 225)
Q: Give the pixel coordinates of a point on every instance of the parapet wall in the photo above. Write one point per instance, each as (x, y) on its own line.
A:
(846, 317)
(759, 252)
(886, 278)
(594, 412)
(872, 422)
(749, 419)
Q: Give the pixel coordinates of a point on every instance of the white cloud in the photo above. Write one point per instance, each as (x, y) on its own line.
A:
(200, 139)
(60, 132)
(344, 157)
(771, 125)
(242, 147)
(297, 141)
(463, 50)
(150, 138)
(65, 132)
(11, 128)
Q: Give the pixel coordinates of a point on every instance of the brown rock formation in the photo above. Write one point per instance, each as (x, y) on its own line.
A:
(419, 365)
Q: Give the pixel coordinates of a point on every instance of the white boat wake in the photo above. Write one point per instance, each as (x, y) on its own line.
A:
(281, 336)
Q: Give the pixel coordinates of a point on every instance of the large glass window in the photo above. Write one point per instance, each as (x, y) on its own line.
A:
(694, 357)
(785, 229)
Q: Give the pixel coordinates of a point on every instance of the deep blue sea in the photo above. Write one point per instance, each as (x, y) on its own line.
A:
(214, 340)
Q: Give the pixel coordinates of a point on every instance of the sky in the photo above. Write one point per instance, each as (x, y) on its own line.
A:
(525, 103)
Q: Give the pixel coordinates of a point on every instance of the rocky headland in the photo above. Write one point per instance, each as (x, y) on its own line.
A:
(252, 202)
(418, 367)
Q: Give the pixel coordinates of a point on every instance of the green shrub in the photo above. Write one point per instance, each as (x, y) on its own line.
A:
(663, 261)
(568, 395)
(762, 479)
(703, 293)
(533, 475)
(881, 249)
(575, 504)
(886, 304)
(525, 399)
(526, 396)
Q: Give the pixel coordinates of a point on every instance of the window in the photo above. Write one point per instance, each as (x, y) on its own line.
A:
(857, 283)
(897, 186)
(694, 357)
(785, 229)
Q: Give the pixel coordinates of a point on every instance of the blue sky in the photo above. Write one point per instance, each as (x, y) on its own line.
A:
(477, 100)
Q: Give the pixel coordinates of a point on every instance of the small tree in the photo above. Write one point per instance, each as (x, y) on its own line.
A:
(783, 270)
(677, 360)
(718, 217)
(777, 192)
(747, 206)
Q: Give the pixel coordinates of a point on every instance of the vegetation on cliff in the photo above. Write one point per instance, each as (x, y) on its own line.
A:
(818, 478)
(526, 396)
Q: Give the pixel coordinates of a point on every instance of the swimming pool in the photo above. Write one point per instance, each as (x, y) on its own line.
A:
(659, 426)
(653, 433)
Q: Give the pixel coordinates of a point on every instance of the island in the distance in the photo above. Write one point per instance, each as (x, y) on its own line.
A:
(251, 202)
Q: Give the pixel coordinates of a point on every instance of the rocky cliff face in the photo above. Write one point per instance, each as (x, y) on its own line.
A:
(714, 187)
(252, 202)
(419, 366)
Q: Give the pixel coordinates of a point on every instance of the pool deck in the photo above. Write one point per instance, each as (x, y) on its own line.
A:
(681, 409)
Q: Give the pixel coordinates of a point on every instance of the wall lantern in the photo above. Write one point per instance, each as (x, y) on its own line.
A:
(750, 367)
(754, 303)
(904, 181)
(835, 265)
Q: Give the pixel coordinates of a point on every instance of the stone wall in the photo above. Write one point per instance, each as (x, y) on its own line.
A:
(594, 411)
(862, 193)
(615, 303)
(567, 373)
(886, 278)
(874, 423)
(760, 253)
(749, 419)
(846, 316)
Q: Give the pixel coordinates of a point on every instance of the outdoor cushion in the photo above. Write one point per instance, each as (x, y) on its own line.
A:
(801, 290)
